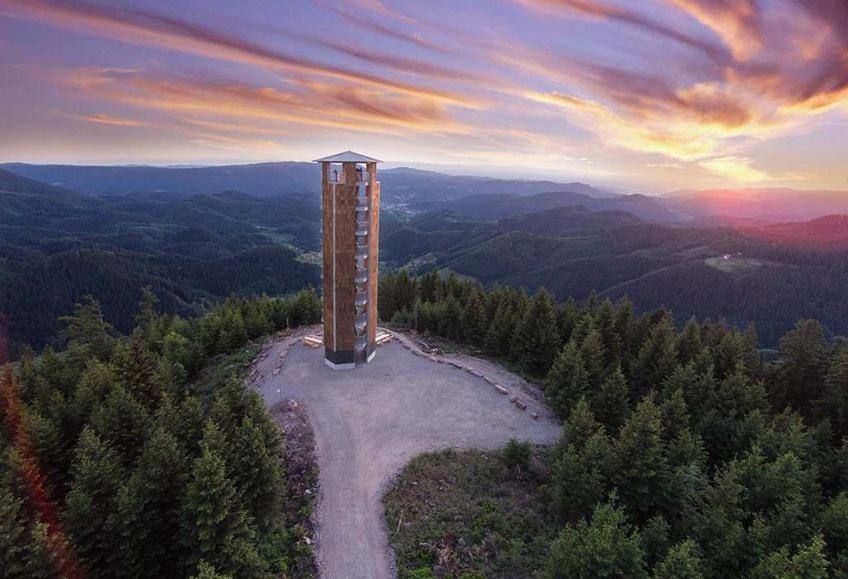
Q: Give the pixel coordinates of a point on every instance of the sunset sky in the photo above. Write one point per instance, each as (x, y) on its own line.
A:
(650, 95)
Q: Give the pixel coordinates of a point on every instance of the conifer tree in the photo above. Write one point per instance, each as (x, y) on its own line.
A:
(568, 381)
(594, 359)
(567, 317)
(612, 342)
(835, 531)
(492, 300)
(624, 323)
(675, 414)
(42, 554)
(809, 562)
(406, 291)
(450, 325)
(137, 370)
(473, 320)
(580, 425)
(232, 333)
(734, 353)
(86, 330)
(657, 358)
(606, 546)
(834, 400)
(213, 526)
(499, 335)
(536, 336)
(256, 323)
(147, 310)
(611, 403)
(94, 386)
(683, 561)
(96, 477)
(804, 358)
(655, 539)
(578, 477)
(51, 448)
(185, 420)
(730, 421)
(689, 342)
(258, 474)
(641, 472)
(129, 526)
(207, 571)
(452, 286)
(430, 288)
(13, 536)
(122, 423)
(307, 308)
(583, 326)
(146, 518)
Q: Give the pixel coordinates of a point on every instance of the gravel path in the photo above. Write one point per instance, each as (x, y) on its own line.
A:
(369, 422)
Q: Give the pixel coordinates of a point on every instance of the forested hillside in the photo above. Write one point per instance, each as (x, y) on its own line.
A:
(124, 457)
(684, 453)
(739, 275)
(57, 245)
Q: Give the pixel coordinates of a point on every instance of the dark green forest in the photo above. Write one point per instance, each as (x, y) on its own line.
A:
(57, 246)
(768, 281)
(684, 452)
(143, 455)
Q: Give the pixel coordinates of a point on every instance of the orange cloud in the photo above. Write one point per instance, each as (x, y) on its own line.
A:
(108, 120)
(327, 105)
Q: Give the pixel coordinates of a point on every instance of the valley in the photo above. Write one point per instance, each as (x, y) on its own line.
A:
(195, 243)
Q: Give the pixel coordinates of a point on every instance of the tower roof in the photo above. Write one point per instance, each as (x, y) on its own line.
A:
(348, 157)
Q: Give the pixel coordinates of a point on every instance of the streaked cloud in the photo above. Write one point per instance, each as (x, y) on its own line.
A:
(310, 103)
(103, 119)
(147, 28)
(608, 11)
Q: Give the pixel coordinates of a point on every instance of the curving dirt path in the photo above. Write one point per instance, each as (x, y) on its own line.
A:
(369, 422)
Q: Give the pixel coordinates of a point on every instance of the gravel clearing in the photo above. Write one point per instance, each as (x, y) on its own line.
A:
(370, 421)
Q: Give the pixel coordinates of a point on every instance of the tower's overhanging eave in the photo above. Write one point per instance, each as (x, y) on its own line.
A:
(348, 157)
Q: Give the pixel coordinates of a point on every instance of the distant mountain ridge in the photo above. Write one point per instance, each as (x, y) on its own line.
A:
(830, 231)
(497, 206)
(773, 205)
(403, 184)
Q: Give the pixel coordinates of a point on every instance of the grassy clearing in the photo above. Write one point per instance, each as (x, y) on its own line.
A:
(734, 264)
(470, 514)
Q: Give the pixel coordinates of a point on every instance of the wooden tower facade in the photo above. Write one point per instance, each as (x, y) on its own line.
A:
(351, 226)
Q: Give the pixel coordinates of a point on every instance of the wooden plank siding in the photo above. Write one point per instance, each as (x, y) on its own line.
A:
(345, 259)
(339, 218)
